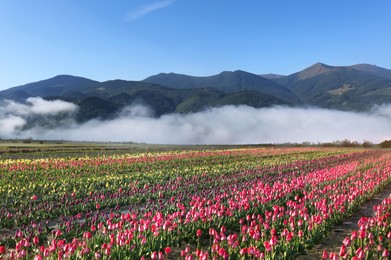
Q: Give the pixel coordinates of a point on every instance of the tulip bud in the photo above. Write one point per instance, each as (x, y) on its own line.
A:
(167, 250)
(325, 255)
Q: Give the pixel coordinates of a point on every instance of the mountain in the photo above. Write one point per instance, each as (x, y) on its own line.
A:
(227, 81)
(373, 69)
(105, 100)
(339, 87)
(354, 88)
(62, 85)
(271, 76)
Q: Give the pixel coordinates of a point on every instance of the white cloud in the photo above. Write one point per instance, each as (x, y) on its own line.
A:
(52, 107)
(146, 9)
(14, 116)
(230, 125)
(11, 107)
(36, 106)
(10, 125)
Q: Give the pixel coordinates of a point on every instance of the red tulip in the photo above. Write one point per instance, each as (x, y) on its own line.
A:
(35, 240)
(87, 235)
(267, 246)
(243, 251)
(343, 250)
(346, 241)
(38, 257)
(154, 255)
(222, 252)
(325, 255)
(167, 250)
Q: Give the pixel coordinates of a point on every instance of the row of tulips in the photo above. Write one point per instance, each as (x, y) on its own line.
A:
(43, 195)
(372, 240)
(139, 192)
(295, 203)
(286, 230)
(66, 163)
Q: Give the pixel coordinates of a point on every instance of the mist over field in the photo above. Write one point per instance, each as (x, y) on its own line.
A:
(224, 125)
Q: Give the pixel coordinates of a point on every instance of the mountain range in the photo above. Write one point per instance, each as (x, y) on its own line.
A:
(350, 88)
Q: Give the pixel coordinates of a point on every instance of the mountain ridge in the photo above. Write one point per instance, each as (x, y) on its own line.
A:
(358, 89)
(226, 81)
(350, 88)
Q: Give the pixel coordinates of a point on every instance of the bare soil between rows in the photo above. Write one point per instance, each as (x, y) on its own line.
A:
(333, 241)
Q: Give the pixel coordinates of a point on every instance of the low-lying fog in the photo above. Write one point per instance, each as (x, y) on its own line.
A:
(224, 125)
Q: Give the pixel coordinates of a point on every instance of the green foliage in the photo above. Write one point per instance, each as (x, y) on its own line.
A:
(320, 85)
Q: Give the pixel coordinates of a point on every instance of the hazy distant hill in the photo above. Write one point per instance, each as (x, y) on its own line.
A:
(272, 76)
(340, 87)
(227, 81)
(374, 70)
(357, 87)
(62, 85)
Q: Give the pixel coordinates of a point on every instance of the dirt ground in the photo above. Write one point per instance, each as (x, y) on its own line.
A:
(333, 241)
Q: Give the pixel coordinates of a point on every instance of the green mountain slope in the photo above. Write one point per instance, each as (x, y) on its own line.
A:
(357, 87)
(105, 100)
(338, 87)
(228, 82)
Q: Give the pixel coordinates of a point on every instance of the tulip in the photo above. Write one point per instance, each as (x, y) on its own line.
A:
(267, 246)
(346, 241)
(167, 250)
(325, 255)
(360, 253)
(386, 254)
(343, 251)
(222, 252)
(243, 251)
(58, 233)
(38, 257)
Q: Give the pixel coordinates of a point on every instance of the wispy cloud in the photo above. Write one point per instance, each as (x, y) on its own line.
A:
(146, 9)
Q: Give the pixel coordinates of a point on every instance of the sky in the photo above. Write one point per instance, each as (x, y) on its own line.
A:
(134, 39)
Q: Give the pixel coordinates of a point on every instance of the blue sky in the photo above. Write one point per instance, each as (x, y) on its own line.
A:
(134, 39)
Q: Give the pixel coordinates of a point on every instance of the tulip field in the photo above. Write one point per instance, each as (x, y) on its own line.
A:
(247, 203)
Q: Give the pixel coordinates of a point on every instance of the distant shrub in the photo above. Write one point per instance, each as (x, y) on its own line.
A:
(348, 143)
(28, 140)
(367, 144)
(385, 144)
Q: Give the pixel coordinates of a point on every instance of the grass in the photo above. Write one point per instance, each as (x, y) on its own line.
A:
(33, 149)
